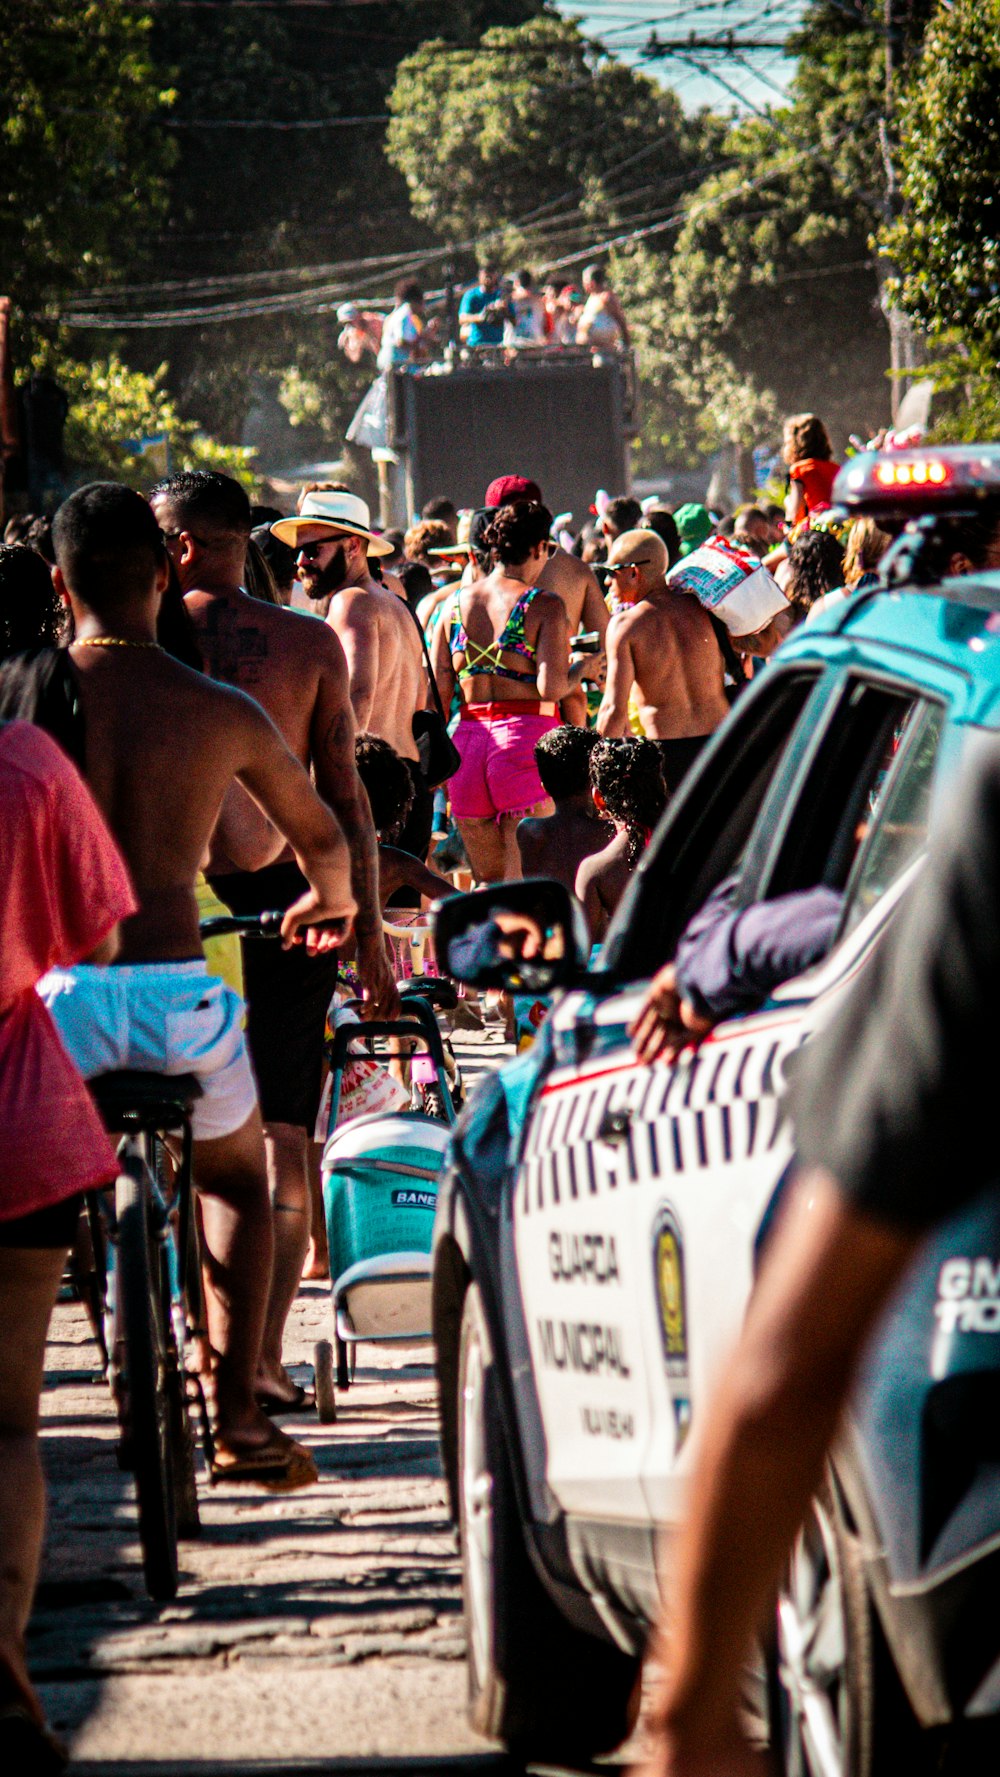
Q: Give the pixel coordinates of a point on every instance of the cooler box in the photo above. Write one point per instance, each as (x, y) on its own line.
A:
(380, 1177)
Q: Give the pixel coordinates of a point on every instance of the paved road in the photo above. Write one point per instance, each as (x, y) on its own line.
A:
(320, 1631)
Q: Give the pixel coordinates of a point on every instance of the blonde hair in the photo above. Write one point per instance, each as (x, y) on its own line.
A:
(866, 545)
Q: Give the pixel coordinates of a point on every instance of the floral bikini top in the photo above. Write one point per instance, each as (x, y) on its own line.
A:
(512, 640)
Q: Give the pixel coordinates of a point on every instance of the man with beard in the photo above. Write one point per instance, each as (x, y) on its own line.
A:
(333, 537)
(295, 668)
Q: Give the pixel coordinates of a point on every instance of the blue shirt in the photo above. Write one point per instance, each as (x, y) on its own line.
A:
(730, 959)
(475, 300)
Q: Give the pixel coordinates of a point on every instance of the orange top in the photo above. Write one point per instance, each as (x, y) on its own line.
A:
(816, 476)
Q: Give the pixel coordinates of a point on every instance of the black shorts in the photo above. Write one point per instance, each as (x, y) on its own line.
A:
(288, 993)
(679, 756)
(51, 1227)
(415, 834)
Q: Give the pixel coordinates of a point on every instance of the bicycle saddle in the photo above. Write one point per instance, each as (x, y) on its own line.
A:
(135, 1099)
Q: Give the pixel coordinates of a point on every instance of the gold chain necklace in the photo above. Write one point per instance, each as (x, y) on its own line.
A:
(112, 642)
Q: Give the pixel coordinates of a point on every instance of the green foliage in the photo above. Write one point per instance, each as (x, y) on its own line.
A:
(776, 250)
(82, 159)
(532, 140)
(947, 243)
(109, 404)
(255, 201)
(966, 394)
(775, 303)
(540, 144)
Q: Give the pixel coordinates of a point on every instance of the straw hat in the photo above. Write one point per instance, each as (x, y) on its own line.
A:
(341, 515)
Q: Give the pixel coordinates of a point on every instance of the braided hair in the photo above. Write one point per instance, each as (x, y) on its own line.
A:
(628, 776)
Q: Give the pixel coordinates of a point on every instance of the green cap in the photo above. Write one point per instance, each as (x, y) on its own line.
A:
(693, 526)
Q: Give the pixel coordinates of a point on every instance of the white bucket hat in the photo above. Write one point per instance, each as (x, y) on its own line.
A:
(343, 515)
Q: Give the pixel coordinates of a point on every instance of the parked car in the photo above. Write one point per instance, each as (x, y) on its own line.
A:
(597, 1225)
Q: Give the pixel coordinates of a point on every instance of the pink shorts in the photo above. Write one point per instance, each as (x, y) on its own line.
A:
(498, 774)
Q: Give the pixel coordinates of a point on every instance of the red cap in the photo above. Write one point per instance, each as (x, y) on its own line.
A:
(512, 487)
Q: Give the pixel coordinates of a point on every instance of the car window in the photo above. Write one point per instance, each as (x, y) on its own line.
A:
(702, 838)
(897, 830)
(824, 821)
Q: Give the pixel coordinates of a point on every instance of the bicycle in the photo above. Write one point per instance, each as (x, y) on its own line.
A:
(142, 1286)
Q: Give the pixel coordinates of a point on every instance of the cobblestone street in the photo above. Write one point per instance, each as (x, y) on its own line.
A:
(322, 1626)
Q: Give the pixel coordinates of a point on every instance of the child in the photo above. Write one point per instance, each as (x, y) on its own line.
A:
(626, 777)
(556, 844)
(389, 788)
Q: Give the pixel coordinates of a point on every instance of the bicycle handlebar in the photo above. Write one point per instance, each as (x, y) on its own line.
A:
(247, 925)
(258, 925)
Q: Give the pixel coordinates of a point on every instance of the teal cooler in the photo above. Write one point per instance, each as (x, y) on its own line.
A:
(380, 1179)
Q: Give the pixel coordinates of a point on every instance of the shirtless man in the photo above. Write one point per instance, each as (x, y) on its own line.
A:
(574, 582)
(160, 745)
(294, 667)
(376, 630)
(663, 643)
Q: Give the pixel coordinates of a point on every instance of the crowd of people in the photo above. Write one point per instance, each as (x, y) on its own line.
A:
(208, 703)
(511, 310)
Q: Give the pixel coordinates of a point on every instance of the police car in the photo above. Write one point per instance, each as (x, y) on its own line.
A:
(597, 1225)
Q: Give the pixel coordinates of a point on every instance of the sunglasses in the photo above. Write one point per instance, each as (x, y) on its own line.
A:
(619, 567)
(310, 551)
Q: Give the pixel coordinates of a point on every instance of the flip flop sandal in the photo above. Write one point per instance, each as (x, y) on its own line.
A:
(26, 1748)
(302, 1401)
(278, 1468)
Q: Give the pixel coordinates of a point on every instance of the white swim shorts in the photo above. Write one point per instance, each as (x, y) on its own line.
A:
(163, 1018)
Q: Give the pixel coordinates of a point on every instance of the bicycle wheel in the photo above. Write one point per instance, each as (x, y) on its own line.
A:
(146, 1371)
(181, 1436)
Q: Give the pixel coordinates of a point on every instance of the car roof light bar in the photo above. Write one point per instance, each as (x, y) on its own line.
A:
(929, 478)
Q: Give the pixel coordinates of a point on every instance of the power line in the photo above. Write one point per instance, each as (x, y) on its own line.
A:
(325, 297)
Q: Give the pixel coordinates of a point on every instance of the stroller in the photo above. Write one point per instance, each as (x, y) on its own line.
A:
(380, 1177)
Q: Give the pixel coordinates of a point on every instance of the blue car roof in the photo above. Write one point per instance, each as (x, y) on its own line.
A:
(915, 632)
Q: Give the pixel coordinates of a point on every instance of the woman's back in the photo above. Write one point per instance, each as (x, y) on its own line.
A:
(497, 627)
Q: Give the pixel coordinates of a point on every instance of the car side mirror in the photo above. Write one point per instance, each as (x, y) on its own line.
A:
(528, 936)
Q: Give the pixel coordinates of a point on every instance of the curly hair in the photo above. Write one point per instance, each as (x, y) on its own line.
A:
(387, 782)
(563, 760)
(816, 563)
(32, 614)
(516, 530)
(806, 436)
(628, 776)
(427, 533)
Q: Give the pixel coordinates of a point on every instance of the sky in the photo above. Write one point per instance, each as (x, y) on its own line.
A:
(753, 76)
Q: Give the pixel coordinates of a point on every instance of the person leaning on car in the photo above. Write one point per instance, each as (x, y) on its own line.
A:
(900, 1078)
(729, 959)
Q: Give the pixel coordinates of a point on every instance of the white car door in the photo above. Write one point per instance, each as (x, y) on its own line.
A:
(574, 1213)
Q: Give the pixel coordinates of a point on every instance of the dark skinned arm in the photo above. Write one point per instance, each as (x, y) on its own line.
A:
(400, 869)
(760, 1460)
(331, 751)
(282, 787)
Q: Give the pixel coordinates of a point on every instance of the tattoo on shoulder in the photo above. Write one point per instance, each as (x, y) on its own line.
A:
(234, 652)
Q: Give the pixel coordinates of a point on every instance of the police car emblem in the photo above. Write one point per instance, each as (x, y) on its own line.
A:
(671, 1303)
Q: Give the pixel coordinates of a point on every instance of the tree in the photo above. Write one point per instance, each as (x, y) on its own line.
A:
(946, 244)
(777, 295)
(269, 181)
(83, 162)
(537, 138)
(112, 409)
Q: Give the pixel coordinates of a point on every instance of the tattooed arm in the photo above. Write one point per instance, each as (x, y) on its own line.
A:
(331, 748)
